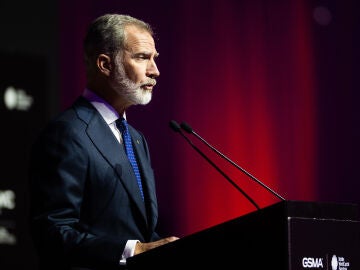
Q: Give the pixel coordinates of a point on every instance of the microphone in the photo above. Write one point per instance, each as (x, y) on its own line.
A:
(188, 129)
(176, 127)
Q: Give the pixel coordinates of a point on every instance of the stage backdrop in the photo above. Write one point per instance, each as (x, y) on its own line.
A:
(271, 84)
(274, 85)
(28, 98)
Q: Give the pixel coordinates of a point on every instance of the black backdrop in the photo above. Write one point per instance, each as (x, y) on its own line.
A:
(31, 80)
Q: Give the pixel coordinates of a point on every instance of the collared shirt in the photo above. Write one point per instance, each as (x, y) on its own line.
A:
(110, 116)
(106, 111)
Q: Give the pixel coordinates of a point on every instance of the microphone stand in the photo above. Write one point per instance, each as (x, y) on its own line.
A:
(188, 129)
(175, 126)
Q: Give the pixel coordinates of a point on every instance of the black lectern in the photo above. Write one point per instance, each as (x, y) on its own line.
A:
(289, 235)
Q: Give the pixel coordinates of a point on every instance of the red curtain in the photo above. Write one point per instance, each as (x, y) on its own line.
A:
(241, 74)
(246, 85)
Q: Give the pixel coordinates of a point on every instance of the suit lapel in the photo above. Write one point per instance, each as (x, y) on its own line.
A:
(106, 143)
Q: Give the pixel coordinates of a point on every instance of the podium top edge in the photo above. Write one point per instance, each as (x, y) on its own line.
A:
(314, 209)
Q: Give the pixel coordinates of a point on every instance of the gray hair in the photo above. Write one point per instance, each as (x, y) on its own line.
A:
(106, 35)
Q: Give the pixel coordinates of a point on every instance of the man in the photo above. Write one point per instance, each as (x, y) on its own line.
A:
(87, 209)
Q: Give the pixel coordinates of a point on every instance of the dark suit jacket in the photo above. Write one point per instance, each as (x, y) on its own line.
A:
(85, 202)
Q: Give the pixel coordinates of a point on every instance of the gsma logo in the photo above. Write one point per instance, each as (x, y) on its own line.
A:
(308, 262)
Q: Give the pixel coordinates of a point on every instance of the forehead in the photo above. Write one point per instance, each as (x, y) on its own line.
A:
(138, 39)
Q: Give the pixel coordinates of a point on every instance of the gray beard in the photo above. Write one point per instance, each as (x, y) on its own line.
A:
(130, 91)
(134, 93)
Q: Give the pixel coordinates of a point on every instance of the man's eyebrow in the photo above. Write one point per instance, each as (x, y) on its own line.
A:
(156, 54)
(149, 54)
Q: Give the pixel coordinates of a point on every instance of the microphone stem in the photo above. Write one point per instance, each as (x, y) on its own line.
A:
(220, 171)
(238, 167)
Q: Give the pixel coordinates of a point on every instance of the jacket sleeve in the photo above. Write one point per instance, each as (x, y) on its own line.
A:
(58, 171)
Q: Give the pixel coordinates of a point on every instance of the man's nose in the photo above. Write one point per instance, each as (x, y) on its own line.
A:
(152, 70)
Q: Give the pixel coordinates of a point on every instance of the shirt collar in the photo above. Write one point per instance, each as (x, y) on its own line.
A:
(109, 114)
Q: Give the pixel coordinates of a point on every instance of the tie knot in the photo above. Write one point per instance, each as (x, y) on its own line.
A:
(122, 124)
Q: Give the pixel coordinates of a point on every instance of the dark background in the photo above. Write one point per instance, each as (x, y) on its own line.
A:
(282, 77)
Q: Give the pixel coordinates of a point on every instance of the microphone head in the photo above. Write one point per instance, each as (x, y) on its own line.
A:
(174, 126)
(185, 126)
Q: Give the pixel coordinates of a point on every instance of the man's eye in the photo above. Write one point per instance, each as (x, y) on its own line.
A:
(141, 56)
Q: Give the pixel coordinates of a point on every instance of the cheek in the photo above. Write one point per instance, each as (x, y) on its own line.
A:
(136, 73)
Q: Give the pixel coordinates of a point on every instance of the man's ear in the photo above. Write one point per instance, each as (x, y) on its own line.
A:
(104, 64)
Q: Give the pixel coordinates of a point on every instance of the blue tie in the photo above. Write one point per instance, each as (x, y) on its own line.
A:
(124, 129)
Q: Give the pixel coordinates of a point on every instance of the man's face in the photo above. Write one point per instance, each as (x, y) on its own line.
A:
(135, 69)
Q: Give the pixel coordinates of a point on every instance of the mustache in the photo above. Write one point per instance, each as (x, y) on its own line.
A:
(150, 81)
